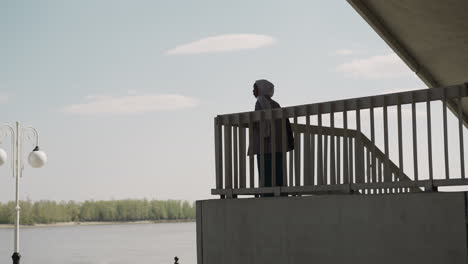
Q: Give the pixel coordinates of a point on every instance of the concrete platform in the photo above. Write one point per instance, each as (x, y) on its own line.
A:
(336, 229)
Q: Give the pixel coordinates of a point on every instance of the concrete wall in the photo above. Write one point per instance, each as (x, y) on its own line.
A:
(378, 229)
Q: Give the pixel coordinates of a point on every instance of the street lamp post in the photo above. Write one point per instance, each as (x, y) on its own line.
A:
(36, 159)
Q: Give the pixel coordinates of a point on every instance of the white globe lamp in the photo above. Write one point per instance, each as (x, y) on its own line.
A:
(3, 157)
(37, 158)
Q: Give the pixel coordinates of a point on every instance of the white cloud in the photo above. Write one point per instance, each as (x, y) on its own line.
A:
(3, 98)
(223, 43)
(376, 67)
(344, 52)
(131, 104)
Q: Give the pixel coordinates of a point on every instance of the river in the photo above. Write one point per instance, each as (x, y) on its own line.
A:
(103, 244)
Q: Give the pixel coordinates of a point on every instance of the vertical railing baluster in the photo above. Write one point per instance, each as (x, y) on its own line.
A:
(312, 159)
(228, 154)
(346, 179)
(373, 154)
(332, 145)
(373, 158)
(284, 147)
(325, 160)
(319, 148)
(242, 155)
(446, 155)
(297, 155)
(397, 179)
(376, 166)
(387, 174)
(380, 175)
(291, 166)
(352, 159)
(358, 147)
(262, 149)
(307, 174)
(415, 138)
(460, 130)
(218, 153)
(236, 155)
(367, 169)
(368, 166)
(400, 140)
(429, 134)
(251, 156)
(273, 149)
(292, 154)
(338, 161)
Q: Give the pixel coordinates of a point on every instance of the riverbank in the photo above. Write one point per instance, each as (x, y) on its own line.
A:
(98, 223)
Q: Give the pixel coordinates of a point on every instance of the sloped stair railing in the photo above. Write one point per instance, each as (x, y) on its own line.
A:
(372, 156)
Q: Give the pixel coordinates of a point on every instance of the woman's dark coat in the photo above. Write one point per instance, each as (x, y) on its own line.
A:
(267, 139)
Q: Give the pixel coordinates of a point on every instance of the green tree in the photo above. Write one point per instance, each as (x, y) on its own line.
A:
(45, 212)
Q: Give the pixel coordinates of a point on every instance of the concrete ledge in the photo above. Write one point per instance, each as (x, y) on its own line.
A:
(399, 228)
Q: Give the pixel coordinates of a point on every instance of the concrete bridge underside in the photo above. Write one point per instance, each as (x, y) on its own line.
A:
(336, 229)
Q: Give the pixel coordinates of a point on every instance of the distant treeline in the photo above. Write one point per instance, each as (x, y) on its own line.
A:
(47, 212)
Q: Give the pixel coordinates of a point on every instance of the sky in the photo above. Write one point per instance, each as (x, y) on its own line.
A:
(124, 93)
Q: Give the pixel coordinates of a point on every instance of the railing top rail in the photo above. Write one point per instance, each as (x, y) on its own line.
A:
(391, 99)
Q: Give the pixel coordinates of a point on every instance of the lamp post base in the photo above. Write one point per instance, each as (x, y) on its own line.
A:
(16, 258)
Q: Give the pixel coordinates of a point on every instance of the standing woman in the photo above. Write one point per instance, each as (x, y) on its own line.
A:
(263, 90)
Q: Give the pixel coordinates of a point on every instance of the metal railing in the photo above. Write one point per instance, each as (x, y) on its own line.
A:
(346, 146)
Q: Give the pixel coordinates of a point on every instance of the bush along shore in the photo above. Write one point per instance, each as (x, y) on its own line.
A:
(144, 211)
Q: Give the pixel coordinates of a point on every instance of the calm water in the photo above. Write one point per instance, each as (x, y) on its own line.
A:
(110, 244)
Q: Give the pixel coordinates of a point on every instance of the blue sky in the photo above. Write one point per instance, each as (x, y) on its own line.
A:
(124, 93)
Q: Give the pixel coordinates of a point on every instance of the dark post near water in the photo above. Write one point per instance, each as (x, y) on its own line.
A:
(16, 258)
